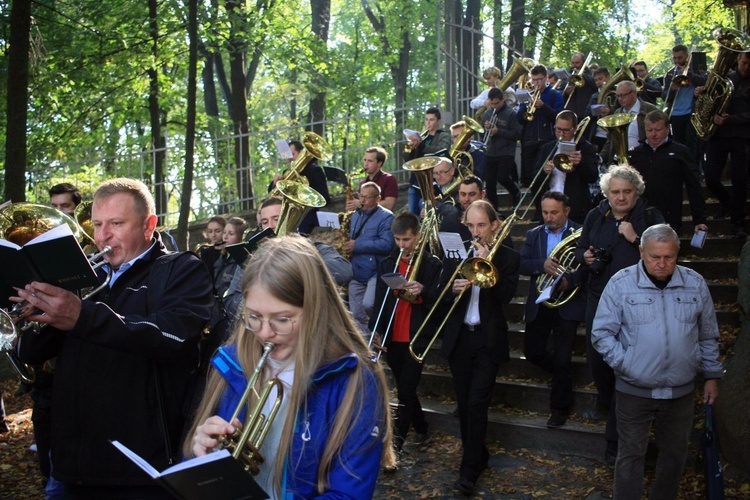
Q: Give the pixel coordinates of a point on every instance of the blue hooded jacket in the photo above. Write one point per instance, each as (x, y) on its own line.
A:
(354, 471)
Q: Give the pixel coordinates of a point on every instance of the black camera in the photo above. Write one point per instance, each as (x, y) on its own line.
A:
(601, 258)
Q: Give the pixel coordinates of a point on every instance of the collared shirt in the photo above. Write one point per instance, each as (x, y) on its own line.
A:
(633, 137)
(557, 180)
(553, 239)
(659, 145)
(125, 266)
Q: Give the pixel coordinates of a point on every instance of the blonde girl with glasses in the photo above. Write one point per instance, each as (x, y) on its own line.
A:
(333, 431)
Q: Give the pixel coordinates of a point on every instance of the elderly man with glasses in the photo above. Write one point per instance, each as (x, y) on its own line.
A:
(629, 102)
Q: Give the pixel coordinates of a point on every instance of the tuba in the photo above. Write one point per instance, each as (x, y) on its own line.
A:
(617, 127)
(314, 147)
(297, 200)
(718, 89)
(564, 253)
(607, 93)
(422, 170)
(244, 444)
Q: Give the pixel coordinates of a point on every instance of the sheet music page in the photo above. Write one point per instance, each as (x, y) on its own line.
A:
(284, 150)
(453, 245)
(328, 219)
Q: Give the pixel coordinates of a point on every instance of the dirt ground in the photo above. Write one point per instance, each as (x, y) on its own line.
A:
(426, 472)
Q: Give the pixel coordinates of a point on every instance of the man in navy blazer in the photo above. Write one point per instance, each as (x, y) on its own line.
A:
(561, 321)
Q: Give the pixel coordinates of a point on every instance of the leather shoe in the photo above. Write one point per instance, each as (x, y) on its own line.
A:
(557, 419)
(465, 486)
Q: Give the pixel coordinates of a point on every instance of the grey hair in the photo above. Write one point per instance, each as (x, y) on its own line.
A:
(626, 173)
(660, 232)
(628, 84)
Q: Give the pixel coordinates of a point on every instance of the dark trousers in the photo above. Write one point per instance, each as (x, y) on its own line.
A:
(407, 373)
(473, 380)
(719, 148)
(558, 362)
(529, 153)
(601, 372)
(41, 417)
(673, 423)
(498, 169)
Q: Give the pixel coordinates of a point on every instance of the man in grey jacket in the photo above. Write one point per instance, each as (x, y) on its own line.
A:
(656, 326)
(503, 132)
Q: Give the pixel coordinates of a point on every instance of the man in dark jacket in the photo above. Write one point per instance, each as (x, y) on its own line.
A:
(562, 322)
(609, 242)
(476, 340)
(503, 132)
(125, 356)
(731, 139)
(575, 184)
(667, 168)
(400, 314)
(537, 131)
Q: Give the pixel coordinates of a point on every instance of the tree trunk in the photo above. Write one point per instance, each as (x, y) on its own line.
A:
(187, 181)
(321, 19)
(497, 32)
(238, 103)
(17, 104)
(517, 20)
(471, 50)
(156, 114)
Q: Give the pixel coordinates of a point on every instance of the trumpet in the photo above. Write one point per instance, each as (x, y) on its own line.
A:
(531, 108)
(480, 271)
(244, 444)
(423, 135)
(493, 122)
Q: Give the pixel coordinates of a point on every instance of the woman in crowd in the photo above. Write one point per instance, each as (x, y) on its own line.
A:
(225, 266)
(333, 431)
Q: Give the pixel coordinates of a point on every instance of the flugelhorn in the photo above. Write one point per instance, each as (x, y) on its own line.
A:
(244, 444)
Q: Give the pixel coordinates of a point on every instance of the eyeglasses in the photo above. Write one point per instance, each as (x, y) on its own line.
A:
(538, 79)
(280, 326)
(441, 172)
(623, 95)
(563, 130)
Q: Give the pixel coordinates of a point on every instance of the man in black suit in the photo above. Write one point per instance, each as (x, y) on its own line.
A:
(476, 340)
(574, 184)
(561, 321)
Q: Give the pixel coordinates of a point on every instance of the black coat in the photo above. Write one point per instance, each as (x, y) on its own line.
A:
(533, 255)
(491, 312)
(107, 370)
(666, 171)
(600, 230)
(428, 275)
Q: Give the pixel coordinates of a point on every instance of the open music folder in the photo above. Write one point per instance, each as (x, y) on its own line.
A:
(215, 476)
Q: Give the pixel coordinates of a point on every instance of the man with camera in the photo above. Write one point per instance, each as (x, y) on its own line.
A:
(609, 242)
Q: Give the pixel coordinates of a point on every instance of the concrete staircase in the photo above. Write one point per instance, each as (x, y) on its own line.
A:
(520, 406)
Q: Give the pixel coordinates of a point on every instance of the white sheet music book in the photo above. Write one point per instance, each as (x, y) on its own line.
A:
(547, 292)
(328, 219)
(566, 147)
(598, 109)
(284, 150)
(453, 245)
(522, 95)
(412, 134)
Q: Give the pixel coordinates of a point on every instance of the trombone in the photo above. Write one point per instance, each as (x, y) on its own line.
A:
(576, 79)
(682, 81)
(244, 444)
(480, 271)
(561, 161)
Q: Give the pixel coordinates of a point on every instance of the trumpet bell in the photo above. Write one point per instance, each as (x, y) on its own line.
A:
(22, 222)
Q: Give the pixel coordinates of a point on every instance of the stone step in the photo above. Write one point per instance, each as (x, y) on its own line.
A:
(514, 430)
(521, 395)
